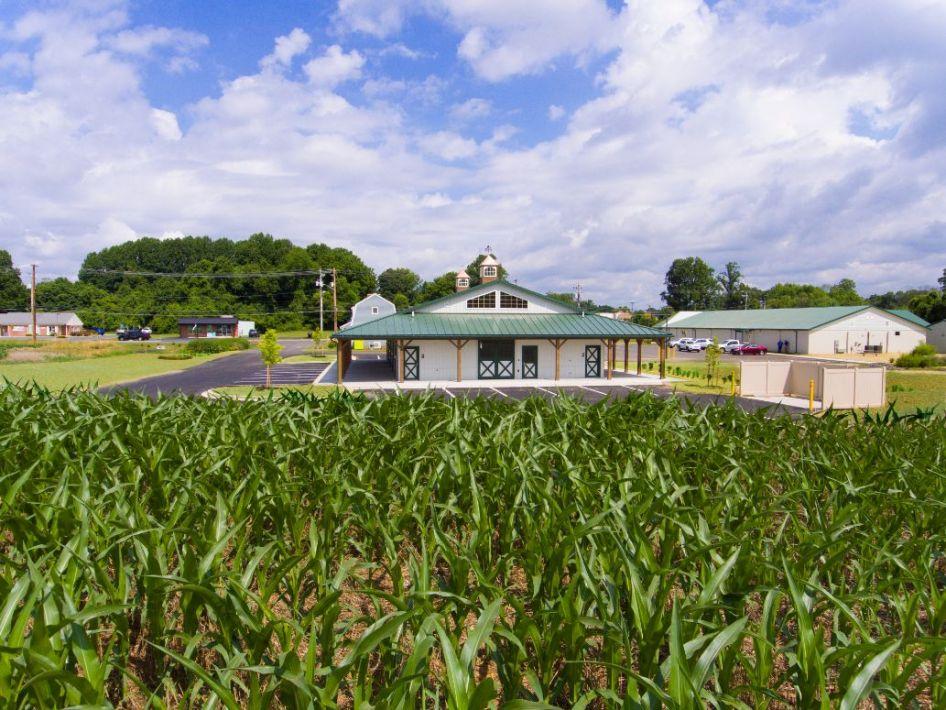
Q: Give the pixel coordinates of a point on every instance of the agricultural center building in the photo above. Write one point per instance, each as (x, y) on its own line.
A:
(371, 307)
(497, 330)
(20, 324)
(220, 327)
(816, 331)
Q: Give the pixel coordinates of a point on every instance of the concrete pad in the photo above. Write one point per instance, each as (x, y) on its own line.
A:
(797, 402)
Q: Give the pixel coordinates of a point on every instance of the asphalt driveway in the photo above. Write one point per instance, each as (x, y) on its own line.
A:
(241, 368)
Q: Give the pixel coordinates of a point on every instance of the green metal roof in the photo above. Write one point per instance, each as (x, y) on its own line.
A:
(492, 286)
(910, 316)
(441, 326)
(769, 318)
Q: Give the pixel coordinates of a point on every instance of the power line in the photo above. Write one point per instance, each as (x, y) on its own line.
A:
(219, 275)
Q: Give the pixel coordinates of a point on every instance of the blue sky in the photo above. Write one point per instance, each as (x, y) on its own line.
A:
(583, 139)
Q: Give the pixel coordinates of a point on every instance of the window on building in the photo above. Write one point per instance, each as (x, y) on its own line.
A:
(374, 310)
(464, 283)
(507, 300)
(896, 332)
(487, 300)
(489, 271)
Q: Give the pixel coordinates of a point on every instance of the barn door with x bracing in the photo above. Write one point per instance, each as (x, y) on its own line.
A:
(496, 359)
(412, 363)
(530, 362)
(592, 361)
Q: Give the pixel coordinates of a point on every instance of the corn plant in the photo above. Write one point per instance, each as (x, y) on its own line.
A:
(418, 552)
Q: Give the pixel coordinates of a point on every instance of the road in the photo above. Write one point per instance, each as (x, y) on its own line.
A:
(239, 368)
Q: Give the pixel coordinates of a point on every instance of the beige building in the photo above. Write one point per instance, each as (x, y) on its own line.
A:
(937, 336)
(20, 324)
(816, 331)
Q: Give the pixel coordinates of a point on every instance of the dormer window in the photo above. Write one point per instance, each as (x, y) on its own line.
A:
(487, 300)
(463, 283)
(507, 300)
(489, 271)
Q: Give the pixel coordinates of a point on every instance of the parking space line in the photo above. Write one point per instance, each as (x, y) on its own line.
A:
(501, 394)
(603, 394)
(452, 396)
(554, 394)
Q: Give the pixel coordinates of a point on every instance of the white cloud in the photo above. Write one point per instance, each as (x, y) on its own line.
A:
(448, 146)
(334, 67)
(556, 112)
(471, 109)
(287, 48)
(165, 124)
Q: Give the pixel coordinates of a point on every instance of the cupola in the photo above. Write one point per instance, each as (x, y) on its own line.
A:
(489, 269)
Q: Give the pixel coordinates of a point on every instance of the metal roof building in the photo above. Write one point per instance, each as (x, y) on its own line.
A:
(497, 330)
(817, 331)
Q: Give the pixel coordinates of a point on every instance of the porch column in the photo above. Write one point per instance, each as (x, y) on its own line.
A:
(663, 358)
(339, 373)
(557, 344)
(459, 345)
(640, 356)
(612, 356)
(400, 360)
(627, 344)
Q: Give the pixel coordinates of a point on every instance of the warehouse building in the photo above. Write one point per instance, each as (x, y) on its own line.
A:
(219, 327)
(20, 324)
(498, 330)
(937, 336)
(815, 331)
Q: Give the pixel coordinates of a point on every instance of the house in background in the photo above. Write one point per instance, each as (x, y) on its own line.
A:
(936, 336)
(219, 327)
(815, 331)
(497, 330)
(371, 307)
(20, 324)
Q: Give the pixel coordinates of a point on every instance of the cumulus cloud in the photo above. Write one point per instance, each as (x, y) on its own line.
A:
(471, 109)
(287, 48)
(807, 149)
(334, 67)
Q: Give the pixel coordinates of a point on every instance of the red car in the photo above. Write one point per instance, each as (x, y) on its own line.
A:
(751, 349)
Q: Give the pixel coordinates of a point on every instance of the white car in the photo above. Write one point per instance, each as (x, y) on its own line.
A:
(730, 345)
(681, 343)
(698, 345)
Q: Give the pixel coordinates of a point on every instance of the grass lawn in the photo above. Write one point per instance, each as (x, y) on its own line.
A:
(684, 370)
(909, 391)
(62, 374)
(247, 392)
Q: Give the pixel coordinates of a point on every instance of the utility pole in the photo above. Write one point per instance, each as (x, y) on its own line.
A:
(334, 301)
(33, 301)
(578, 292)
(321, 315)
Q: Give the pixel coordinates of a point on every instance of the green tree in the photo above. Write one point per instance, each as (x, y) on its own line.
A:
(269, 350)
(14, 295)
(942, 281)
(792, 295)
(844, 293)
(930, 305)
(730, 284)
(690, 284)
(398, 280)
(400, 301)
(712, 357)
(443, 285)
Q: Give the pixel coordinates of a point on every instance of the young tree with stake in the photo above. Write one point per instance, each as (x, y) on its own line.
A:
(269, 350)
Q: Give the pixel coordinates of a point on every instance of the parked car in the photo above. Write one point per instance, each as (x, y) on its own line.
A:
(134, 334)
(698, 345)
(751, 349)
(97, 330)
(731, 345)
(681, 344)
(254, 333)
(146, 331)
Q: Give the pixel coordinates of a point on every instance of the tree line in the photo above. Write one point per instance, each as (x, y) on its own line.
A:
(692, 284)
(122, 284)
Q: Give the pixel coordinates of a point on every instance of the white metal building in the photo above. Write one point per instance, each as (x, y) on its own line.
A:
(816, 331)
(937, 336)
(371, 307)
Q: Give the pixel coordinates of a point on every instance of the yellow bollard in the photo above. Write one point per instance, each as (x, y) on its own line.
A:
(732, 386)
(811, 395)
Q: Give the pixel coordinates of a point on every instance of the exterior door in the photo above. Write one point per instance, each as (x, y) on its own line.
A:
(412, 363)
(592, 361)
(496, 359)
(530, 362)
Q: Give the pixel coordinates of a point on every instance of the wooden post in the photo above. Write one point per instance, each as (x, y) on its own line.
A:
(459, 345)
(334, 300)
(663, 358)
(612, 356)
(339, 374)
(627, 344)
(400, 360)
(33, 301)
(640, 356)
(557, 344)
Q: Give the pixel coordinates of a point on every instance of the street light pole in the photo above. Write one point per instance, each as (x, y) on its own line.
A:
(33, 301)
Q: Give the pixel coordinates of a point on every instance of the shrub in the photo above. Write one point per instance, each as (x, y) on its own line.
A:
(210, 346)
(175, 356)
(922, 356)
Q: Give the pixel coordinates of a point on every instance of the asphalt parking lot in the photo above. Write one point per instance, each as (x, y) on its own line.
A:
(285, 374)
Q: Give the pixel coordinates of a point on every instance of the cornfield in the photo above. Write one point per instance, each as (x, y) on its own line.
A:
(415, 552)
